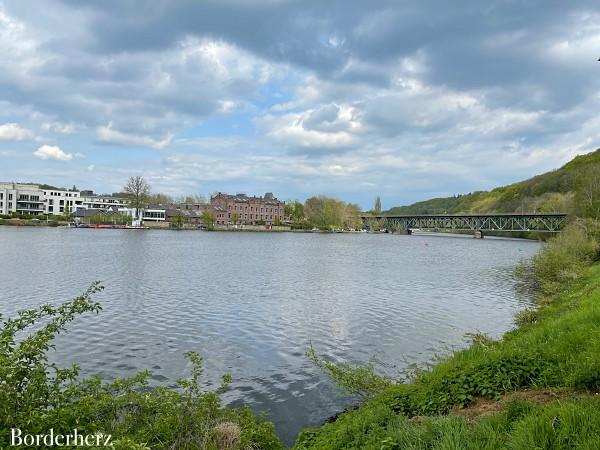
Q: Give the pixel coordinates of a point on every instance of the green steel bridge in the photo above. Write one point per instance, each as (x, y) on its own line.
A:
(477, 223)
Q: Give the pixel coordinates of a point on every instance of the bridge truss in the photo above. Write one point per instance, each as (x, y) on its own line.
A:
(548, 223)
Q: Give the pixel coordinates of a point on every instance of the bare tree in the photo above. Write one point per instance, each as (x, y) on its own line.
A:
(377, 208)
(138, 190)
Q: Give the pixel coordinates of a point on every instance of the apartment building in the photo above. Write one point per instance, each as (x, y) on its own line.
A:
(243, 209)
(34, 199)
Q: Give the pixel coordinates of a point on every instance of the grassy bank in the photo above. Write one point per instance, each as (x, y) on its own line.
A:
(555, 348)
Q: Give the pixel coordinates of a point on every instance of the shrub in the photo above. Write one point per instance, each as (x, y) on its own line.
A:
(359, 380)
(564, 258)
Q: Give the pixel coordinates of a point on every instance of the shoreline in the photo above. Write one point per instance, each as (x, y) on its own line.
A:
(548, 365)
(256, 229)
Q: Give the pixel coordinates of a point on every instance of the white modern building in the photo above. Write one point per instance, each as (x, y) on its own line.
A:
(101, 202)
(34, 199)
(59, 201)
(154, 214)
(21, 199)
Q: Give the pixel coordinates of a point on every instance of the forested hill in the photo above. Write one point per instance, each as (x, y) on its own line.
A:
(561, 190)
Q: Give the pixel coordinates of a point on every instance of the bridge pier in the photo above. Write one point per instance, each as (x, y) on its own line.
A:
(478, 234)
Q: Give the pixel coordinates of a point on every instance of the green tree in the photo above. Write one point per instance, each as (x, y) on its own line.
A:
(179, 220)
(235, 218)
(298, 211)
(294, 210)
(208, 218)
(330, 213)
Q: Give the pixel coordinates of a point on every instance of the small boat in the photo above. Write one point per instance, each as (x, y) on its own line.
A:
(109, 227)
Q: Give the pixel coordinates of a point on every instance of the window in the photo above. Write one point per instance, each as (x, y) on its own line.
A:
(10, 196)
(62, 202)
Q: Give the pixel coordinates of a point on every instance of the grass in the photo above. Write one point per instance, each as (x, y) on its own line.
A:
(574, 423)
(556, 346)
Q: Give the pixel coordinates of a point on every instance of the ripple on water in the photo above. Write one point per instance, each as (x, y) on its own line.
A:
(252, 304)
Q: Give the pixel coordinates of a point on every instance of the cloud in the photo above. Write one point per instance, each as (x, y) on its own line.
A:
(58, 127)
(403, 99)
(109, 136)
(329, 126)
(13, 132)
(52, 152)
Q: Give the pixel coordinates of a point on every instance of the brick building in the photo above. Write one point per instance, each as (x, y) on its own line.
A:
(249, 210)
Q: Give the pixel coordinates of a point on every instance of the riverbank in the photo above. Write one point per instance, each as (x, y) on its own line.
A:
(555, 350)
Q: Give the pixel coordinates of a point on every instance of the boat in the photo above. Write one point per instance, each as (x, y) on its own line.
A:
(109, 227)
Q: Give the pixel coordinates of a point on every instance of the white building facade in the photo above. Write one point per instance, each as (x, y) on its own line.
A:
(33, 199)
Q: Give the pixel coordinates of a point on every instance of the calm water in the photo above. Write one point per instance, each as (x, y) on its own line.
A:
(252, 303)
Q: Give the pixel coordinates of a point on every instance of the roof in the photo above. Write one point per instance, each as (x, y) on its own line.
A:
(83, 212)
(267, 199)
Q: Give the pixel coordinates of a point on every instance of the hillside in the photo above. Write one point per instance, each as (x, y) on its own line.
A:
(553, 191)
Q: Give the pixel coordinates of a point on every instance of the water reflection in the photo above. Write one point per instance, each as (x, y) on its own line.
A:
(252, 303)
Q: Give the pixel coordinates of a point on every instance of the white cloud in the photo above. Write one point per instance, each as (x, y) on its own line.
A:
(52, 152)
(58, 127)
(329, 126)
(91, 168)
(13, 132)
(110, 136)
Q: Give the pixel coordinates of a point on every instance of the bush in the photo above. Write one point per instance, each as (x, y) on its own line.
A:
(564, 258)
(36, 395)
(358, 380)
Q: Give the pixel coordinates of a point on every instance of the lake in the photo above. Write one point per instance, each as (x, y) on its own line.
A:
(252, 303)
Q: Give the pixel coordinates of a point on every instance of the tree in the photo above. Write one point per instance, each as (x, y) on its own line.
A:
(330, 213)
(377, 208)
(294, 210)
(195, 198)
(179, 220)
(159, 199)
(587, 192)
(235, 217)
(138, 190)
(208, 218)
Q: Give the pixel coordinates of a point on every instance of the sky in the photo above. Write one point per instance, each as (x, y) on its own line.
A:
(407, 100)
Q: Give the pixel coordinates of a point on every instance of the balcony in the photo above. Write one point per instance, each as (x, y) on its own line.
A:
(30, 207)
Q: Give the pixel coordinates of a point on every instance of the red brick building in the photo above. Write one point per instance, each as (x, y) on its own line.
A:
(250, 210)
